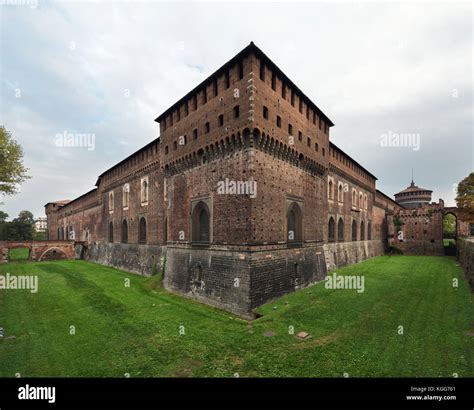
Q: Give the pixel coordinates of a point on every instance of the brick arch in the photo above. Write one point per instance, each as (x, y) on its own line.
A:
(53, 250)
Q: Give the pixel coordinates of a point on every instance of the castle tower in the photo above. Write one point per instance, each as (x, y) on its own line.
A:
(413, 196)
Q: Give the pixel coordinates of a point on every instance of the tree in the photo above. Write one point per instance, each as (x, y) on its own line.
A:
(449, 226)
(3, 216)
(12, 170)
(465, 199)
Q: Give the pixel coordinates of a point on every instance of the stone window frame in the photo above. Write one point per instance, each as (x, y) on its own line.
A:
(331, 186)
(361, 200)
(111, 202)
(354, 198)
(340, 192)
(207, 201)
(126, 196)
(144, 193)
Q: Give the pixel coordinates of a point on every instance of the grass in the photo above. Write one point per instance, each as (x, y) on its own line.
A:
(135, 329)
(448, 242)
(18, 254)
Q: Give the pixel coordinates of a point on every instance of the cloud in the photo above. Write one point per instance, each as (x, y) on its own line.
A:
(111, 68)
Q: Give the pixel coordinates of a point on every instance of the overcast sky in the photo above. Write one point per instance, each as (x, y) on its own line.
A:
(376, 70)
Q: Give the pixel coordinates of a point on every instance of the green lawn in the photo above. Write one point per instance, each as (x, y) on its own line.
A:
(18, 254)
(135, 329)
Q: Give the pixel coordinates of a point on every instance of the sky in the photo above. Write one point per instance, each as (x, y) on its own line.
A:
(395, 78)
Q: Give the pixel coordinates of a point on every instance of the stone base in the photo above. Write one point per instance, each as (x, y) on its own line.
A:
(338, 254)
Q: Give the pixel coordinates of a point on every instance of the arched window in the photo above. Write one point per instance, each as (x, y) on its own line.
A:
(331, 229)
(126, 195)
(294, 222)
(124, 231)
(144, 190)
(111, 232)
(340, 230)
(369, 230)
(330, 190)
(361, 201)
(200, 223)
(142, 231)
(354, 231)
(354, 198)
(340, 194)
(362, 231)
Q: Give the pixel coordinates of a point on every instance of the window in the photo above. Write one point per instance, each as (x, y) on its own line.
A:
(178, 114)
(175, 145)
(330, 190)
(144, 190)
(142, 230)
(236, 111)
(207, 127)
(241, 70)
(111, 232)
(126, 196)
(200, 223)
(362, 231)
(300, 136)
(262, 71)
(273, 81)
(195, 133)
(331, 227)
(340, 193)
(324, 152)
(278, 121)
(186, 112)
(316, 146)
(340, 230)
(294, 223)
(354, 198)
(195, 103)
(361, 200)
(124, 231)
(265, 112)
(290, 129)
(369, 230)
(309, 142)
(166, 150)
(354, 231)
(111, 201)
(300, 106)
(221, 120)
(320, 122)
(227, 79)
(314, 117)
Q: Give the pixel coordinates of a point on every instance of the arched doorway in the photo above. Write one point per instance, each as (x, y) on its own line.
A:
(200, 224)
(294, 224)
(450, 227)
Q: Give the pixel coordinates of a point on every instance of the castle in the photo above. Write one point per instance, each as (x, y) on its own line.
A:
(241, 199)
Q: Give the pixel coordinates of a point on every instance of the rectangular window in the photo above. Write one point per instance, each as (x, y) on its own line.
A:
(207, 127)
(195, 102)
(175, 145)
(309, 142)
(278, 121)
(300, 136)
(178, 114)
(314, 117)
(316, 147)
(186, 112)
(204, 95)
(236, 111)
(262, 71)
(195, 133)
(216, 90)
(221, 120)
(265, 112)
(320, 122)
(300, 106)
(290, 129)
(111, 201)
(273, 81)
(241, 70)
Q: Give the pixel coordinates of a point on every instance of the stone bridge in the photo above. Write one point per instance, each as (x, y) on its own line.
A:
(40, 250)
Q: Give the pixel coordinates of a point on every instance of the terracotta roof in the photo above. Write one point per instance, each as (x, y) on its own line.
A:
(413, 188)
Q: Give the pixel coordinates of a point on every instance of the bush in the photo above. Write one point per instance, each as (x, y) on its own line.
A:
(393, 250)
